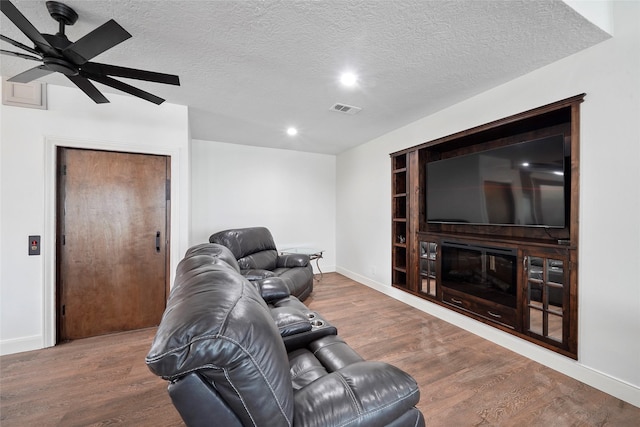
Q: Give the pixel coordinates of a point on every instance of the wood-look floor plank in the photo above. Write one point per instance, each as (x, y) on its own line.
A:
(464, 380)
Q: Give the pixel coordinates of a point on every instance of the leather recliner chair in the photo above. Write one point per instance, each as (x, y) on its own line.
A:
(258, 258)
(227, 363)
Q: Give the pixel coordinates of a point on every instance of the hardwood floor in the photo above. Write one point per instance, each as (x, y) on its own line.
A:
(464, 380)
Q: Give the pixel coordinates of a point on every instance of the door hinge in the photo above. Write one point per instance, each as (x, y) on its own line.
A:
(64, 309)
(168, 190)
(64, 240)
(63, 171)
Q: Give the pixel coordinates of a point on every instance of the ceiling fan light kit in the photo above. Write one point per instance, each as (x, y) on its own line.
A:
(72, 59)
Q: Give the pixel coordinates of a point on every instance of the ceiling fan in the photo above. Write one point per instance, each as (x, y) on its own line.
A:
(58, 54)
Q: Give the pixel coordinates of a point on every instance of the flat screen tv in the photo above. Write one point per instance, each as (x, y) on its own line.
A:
(522, 184)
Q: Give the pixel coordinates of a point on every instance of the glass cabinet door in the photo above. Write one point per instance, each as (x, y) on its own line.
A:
(546, 302)
(428, 258)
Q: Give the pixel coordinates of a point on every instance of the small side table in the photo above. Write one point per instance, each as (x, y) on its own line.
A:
(313, 253)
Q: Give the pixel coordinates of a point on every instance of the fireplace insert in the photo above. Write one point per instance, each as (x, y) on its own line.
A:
(481, 271)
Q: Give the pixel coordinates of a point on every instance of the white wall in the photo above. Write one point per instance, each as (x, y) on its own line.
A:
(27, 192)
(292, 193)
(609, 277)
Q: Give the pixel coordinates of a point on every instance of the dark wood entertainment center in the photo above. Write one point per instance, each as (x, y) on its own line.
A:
(520, 279)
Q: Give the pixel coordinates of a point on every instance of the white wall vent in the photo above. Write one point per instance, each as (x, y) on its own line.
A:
(344, 108)
(29, 95)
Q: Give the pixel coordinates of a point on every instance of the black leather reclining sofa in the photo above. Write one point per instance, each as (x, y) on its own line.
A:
(242, 353)
(258, 258)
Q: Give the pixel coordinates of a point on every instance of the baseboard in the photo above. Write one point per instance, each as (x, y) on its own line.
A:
(18, 345)
(324, 269)
(596, 379)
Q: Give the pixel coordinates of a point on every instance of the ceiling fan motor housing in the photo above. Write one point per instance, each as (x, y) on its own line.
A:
(62, 13)
(60, 65)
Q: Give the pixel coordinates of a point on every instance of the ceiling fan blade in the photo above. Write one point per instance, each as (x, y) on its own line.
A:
(26, 27)
(97, 41)
(105, 80)
(87, 87)
(131, 73)
(30, 75)
(20, 55)
(20, 45)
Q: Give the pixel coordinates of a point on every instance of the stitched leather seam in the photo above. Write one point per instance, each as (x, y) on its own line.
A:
(327, 345)
(351, 394)
(378, 409)
(262, 374)
(185, 373)
(264, 377)
(178, 349)
(239, 396)
(201, 338)
(417, 419)
(313, 368)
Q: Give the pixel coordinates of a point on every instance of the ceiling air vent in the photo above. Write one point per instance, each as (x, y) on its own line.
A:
(346, 109)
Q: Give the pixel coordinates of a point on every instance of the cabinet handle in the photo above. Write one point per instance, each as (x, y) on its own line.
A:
(158, 241)
(457, 301)
(496, 315)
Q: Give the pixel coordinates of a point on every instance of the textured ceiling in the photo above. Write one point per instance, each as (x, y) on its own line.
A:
(250, 68)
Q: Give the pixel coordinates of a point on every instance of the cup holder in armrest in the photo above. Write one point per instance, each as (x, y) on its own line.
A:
(317, 323)
(317, 328)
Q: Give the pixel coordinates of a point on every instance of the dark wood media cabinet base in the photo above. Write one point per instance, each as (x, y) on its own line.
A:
(503, 315)
(521, 279)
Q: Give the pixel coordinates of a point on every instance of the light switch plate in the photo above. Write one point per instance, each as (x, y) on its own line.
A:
(34, 245)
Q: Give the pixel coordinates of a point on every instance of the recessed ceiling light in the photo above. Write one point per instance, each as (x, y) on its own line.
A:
(292, 131)
(348, 79)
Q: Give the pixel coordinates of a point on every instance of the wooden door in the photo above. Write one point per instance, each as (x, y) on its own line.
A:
(112, 228)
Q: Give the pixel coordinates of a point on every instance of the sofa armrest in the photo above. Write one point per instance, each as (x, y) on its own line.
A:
(290, 321)
(365, 394)
(292, 260)
(304, 339)
(272, 289)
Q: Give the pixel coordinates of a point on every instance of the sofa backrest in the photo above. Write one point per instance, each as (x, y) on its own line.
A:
(217, 324)
(253, 247)
(213, 250)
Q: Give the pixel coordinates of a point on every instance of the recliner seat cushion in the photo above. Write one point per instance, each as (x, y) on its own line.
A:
(363, 394)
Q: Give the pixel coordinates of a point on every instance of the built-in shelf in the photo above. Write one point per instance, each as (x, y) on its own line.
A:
(541, 266)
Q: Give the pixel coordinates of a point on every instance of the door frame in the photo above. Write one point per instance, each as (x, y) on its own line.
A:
(177, 236)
